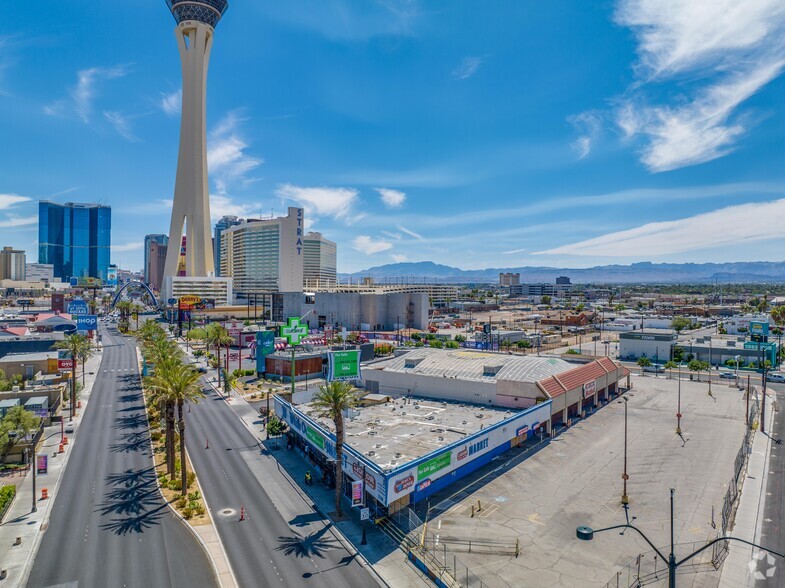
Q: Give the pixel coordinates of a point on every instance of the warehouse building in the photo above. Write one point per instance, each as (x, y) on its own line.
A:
(654, 344)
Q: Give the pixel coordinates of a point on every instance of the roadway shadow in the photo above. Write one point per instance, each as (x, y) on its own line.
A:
(311, 545)
(132, 421)
(135, 524)
(129, 442)
(303, 520)
(345, 561)
(130, 397)
(134, 495)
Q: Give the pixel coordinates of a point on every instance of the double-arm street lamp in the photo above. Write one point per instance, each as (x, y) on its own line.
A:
(625, 500)
(678, 406)
(587, 534)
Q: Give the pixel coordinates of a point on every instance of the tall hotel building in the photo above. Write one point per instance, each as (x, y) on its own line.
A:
(320, 262)
(220, 227)
(75, 239)
(155, 249)
(265, 255)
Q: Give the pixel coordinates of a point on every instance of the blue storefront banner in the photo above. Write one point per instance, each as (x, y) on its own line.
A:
(86, 322)
(265, 345)
(78, 306)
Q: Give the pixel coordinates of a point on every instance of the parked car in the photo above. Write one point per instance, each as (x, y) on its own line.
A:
(775, 377)
(654, 368)
(728, 375)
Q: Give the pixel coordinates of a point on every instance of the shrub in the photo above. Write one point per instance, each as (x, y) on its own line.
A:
(194, 496)
(190, 479)
(156, 435)
(188, 513)
(7, 494)
(175, 485)
(198, 510)
(181, 502)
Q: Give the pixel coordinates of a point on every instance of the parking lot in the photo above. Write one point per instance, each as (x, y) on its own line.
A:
(576, 480)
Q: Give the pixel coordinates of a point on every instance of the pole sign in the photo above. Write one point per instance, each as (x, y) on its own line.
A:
(343, 365)
(65, 364)
(78, 306)
(86, 322)
(365, 514)
(41, 464)
(357, 493)
(265, 345)
(759, 330)
(293, 331)
(111, 276)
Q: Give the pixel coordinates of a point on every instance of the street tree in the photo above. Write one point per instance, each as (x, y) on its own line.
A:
(330, 402)
(78, 347)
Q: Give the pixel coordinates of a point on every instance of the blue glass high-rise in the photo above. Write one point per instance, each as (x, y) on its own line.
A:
(75, 238)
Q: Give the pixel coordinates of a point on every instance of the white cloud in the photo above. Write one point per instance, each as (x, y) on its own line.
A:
(467, 68)
(133, 246)
(227, 160)
(411, 233)
(588, 125)
(82, 95)
(17, 221)
(721, 52)
(732, 226)
(171, 103)
(337, 203)
(399, 258)
(9, 200)
(365, 244)
(391, 198)
(396, 236)
(513, 251)
(225, 206)
(121, 124)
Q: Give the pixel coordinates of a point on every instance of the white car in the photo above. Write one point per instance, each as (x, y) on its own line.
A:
(654, 368)
(776, 377)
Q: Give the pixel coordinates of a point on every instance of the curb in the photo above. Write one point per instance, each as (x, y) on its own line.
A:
(177, 515)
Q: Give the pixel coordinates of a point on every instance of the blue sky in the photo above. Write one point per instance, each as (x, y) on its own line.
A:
(561, 133)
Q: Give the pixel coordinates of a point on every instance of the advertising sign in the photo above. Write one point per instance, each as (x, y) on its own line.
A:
(189, 301)
(433, 465)
(293, 331)
(265, 345)
(343, 365)
(65, 364)
(111, 276)
(88, 282)
(58, 302)
(78, 306)
(315, 437)
(589, 388)
(357, 493)
(86, 322)
(24, 302)
(41, 464)
(759, 328)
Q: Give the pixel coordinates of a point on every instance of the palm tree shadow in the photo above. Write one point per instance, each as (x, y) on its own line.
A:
(135, 524)
(135, 495)
(133, 421)
(130, 442)
(312, 545)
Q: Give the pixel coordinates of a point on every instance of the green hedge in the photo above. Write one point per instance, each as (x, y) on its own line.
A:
(7, 494)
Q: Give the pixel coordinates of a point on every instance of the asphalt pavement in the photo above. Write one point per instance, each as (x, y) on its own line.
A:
(109, 525)
(296, 547)
(773, 528)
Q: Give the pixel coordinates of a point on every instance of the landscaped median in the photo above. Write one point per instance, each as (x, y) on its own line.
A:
(7, 494)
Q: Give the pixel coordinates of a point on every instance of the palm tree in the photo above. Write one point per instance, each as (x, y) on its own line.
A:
(218, 336)
(330, 402)
(135, 310)
(75, 345)
(124, 308)
(176, 383)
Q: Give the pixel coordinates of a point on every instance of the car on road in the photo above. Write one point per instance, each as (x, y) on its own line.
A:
(776, 377)
(201, 370)
(728, 375)
(69, 428)
(654, 369)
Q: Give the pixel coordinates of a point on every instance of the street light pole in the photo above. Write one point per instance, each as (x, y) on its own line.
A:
(31, 461)
(624, 498)
(678, 407)
(364, 540)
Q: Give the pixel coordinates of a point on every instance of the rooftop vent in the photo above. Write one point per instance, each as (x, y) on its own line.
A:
(491, 370)
(411, 362)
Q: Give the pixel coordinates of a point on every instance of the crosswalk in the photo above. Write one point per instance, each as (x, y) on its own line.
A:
(119, 370)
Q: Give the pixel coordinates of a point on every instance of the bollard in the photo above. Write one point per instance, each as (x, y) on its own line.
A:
(242, 513)
(479, 506)
(18, 541)
(517, 547)
(44, 493)
(65, 440)
(472, 511)
(60, 449)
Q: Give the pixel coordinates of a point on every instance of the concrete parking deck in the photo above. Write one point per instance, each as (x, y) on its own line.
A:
(576, 480)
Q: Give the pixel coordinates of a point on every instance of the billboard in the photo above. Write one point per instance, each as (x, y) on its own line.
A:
(78, 306)
(357, 493)
(343, 365)
(41, 464)
(111, 276)
(58, 302)
(65, 364)
(265, 345)
(88, 282)
(86, 322)
(759, 328)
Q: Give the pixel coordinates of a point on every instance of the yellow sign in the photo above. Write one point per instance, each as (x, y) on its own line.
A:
(190, 299)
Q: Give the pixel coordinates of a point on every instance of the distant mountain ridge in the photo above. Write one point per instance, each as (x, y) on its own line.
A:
(642, 272)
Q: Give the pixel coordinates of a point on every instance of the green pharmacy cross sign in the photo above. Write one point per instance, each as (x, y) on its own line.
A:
(294, 331)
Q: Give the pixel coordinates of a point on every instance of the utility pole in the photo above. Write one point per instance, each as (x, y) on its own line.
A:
(625, 499)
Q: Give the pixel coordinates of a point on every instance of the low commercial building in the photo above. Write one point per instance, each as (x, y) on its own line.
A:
(654, 344)
(720, 350)
(28, 365)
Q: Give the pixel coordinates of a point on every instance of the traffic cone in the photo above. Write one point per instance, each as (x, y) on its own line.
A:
(242, 513)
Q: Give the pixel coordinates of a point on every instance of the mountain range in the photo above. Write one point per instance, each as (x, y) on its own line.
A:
(643, 272)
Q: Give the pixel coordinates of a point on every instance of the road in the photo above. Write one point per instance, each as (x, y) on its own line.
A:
(109, 525)
(774, 510)
(294, 547)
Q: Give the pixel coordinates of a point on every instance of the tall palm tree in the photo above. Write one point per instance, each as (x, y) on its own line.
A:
(124, 308)
(218, 336)
(330, 402)
(75, 346)
(135, 310)
(163, 352)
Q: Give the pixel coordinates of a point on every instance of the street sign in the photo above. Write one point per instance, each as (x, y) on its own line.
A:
(343, 365)
(86, 322)
(365, 514)
(78, 306)
(65, 364)
(293, 331)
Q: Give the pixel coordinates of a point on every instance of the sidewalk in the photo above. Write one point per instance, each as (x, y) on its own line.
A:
(20, 521)
(381, 554)
(736, 571)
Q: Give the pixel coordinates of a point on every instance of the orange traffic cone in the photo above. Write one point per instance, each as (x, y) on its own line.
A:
(242, 513)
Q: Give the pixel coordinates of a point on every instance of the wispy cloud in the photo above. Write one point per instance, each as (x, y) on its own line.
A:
(121, 124)
(588, 125)
(369, 246)
(82, 95)
(721, 52)
(337, 203)
(12, 220)
(399, 258)
(171, 103)
(467, 68)
(225, 206)
(7, 58)
(9, 200)
(411, 233)
(731, 226)
(227, 160)
(133, 246)
(513, 251)
(391, 198)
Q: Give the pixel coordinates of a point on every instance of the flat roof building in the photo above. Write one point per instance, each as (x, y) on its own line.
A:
(320, 262)
(13, 264)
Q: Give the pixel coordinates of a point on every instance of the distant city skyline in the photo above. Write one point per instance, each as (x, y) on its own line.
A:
(570, 135)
